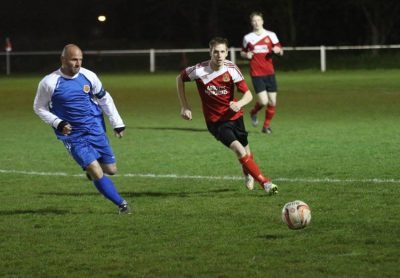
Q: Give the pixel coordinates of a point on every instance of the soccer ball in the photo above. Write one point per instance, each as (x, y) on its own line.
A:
(296, 214)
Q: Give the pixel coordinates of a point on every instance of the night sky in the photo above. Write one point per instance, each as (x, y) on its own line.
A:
(49, 25)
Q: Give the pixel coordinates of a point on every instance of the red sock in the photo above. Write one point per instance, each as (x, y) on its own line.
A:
(257, 107)
(243, 168)
(252, 168)
(269, 114)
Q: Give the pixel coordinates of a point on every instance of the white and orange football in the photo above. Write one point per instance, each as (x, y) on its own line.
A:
(296, 214)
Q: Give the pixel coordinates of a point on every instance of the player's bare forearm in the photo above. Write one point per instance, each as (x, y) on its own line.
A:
(246, 99)
(186, 113)
(237, 105)
(180, 87)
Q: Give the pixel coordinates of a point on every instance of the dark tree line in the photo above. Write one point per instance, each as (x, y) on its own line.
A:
(43, 24)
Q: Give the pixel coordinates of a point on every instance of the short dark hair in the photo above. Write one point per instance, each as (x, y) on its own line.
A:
(256, 13)
(218, 40)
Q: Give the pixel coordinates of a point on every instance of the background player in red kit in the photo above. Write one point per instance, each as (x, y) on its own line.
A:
(216, 80)
(258, 47)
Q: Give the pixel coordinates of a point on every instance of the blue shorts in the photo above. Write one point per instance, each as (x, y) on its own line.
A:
(89, 148)
(265, 83)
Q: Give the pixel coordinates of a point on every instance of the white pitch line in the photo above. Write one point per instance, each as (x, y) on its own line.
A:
(174, 176)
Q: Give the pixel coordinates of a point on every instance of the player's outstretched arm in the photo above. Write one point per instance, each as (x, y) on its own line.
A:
(186, 113)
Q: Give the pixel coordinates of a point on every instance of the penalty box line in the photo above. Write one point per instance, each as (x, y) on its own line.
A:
(175, 176)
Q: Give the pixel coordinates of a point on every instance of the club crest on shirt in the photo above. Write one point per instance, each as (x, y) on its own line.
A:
(267, 40)
(86, 88)
(225, 77)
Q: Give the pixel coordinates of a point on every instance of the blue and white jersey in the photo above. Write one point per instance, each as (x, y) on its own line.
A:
(79, 100)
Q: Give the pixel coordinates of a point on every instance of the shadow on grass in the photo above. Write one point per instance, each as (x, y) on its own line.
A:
(163, 128)
(172, 128)
(143, 194)
(270, 237)
(73, 194)
(43, 211)
(174, 194)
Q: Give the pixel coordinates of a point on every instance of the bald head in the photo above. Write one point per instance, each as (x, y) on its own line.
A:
(71, 59)
(70, 48)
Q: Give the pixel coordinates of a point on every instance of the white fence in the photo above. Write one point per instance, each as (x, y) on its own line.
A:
(152, 53)
(322, 49)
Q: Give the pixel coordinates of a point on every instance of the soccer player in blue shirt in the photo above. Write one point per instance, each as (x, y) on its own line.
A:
(72, 100)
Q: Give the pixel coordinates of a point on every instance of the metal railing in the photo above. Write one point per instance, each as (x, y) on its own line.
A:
(152, 53)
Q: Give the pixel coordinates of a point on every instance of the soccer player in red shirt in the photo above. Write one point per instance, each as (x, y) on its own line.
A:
(258, 47)
(216, 80)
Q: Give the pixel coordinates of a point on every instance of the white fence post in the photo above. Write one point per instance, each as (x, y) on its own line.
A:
(8, 66)
(233, 55)
(152, 60)
(323, 58)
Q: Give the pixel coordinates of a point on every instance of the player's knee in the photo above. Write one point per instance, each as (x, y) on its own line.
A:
(110, 169)
(263, 102)
(272, 99)
(238, 148)
(262, 98)
(111, 172)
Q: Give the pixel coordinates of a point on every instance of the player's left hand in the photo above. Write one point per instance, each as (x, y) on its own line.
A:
(186, 114)
(234, 106)
(249, 55)
(119, 131)
(277, 50)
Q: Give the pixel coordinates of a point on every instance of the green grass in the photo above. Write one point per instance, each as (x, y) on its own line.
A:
(334, 133)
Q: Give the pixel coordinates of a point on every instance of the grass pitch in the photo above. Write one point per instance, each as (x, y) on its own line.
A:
(334, 146)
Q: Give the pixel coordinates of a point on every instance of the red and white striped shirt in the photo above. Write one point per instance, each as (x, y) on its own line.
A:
(261, 45)
(216, 89)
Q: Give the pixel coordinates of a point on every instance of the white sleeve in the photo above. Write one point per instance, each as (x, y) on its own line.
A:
(274, 38)
(235, 73)
(104, 99)
(97, 87)
(191, 72)
(244, 44)
(108, 106)
(41, 105)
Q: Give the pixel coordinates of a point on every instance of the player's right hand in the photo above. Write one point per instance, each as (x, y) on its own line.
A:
(234, 106)
(186, 114)
(249, 55)
(64, 127)
(67, 129)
